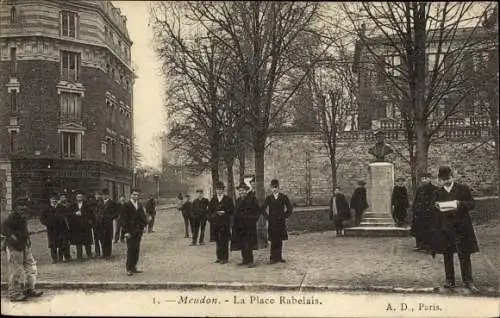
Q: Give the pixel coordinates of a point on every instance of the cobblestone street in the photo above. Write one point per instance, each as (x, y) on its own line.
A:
(313, 259)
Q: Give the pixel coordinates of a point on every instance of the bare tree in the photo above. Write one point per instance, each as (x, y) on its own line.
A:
(422, 51)
(261, 35)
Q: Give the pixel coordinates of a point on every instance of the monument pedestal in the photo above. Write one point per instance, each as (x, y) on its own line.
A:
(377, 219)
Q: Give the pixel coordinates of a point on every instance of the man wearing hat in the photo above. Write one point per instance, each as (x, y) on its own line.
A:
(400, 202)
(422, 213)
(339, 210)
(244, 234)
(220, 210)
(151, 212)
(279, 209)
(80, 226)
(106, 213)
(63, 212)
(57, 230)
(22, 265)
(96, 207)
(453, 226)
(198, 221)
(359, 202)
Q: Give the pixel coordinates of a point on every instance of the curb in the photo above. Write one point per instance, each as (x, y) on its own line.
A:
(234, 287)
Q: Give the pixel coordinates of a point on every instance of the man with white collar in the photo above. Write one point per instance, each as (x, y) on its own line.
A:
(453, 226)
(134, 222)
(280, 209)
(108, 211)
(80, 221)
(220, 210)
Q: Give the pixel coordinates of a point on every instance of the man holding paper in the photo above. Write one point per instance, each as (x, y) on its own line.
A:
(453, 226)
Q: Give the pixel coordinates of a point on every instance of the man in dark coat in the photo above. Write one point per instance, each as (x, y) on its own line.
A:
(64, 213)
(339, 211)
(21, 264)
(80, 226)
(198, 221)
(400, 202)
(244, 234)
(119, 233)
(422, 213)
(134, 222)
(279, 209)
(220, 210)
(359, 202)
(454, 232)
(106, 213)
(186, 207)
(151, 211)
(57, 230)
(96, 206)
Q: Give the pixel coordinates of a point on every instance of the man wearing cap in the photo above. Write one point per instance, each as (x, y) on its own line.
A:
(106, 213)
(80, 226)
(151, 212)
(422, 213)
(57, 230)
(400, 202)
(220, 210)
(339, 211)
(278, 210)
(454, 232)
(22, 265)
(134, 222)
(359, 202)
(244, 234)
(198, 219)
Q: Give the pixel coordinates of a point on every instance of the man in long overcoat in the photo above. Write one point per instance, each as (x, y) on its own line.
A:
(339, 211)
(151, 211)
(81, 219)
(64, 213)
(57, 230)
(400, 202)
(454, 232)
(244, 234)
(280, 209)
(422, 213)
(359, 202)
(220, 210)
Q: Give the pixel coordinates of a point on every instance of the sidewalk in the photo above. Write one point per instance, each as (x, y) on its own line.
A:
(314, 261)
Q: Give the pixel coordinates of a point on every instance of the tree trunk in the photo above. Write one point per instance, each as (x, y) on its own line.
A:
(230, 178)
(333, 166)
(214, 167)
(422, 150)
(242, 162)
(259, 173)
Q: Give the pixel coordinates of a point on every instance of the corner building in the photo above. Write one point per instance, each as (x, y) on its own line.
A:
(66, 87)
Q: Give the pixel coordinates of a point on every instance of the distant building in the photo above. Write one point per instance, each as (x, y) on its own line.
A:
(65, 98)
(376, 101)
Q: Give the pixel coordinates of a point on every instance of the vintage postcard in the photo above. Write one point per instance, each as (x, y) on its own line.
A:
(249, 159)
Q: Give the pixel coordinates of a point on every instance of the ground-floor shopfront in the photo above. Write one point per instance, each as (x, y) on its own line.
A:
(38, 178)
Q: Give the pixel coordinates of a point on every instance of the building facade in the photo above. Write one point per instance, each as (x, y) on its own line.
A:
(65, 98)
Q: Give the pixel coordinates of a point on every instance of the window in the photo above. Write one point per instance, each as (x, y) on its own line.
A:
(71, 107)
(103, 147)
(113, 152)
(71, 145)
(13, 100)
(13, 15)
(13, 61)
(13, 141)
(69, 65)
(69, 21)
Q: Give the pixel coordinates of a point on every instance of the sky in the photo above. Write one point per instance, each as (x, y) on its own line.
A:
(148, 89)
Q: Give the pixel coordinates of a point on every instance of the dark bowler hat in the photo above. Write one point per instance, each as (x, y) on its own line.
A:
(219, 185)
(78, 192)
(105, 191)
(199, 191)
(361, 182)
(445, 173)
(242, 186)
(427, 175)
(275, 183)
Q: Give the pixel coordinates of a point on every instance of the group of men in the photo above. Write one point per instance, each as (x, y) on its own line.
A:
(233, 226)
(341, 211)
(81, 223)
